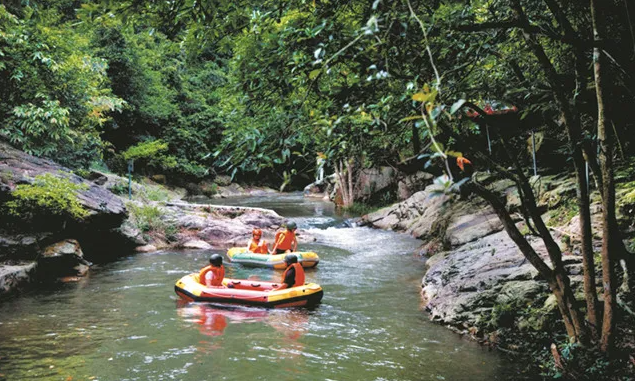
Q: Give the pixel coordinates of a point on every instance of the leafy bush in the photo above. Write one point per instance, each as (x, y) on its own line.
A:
(360, 209)
(49, 195)
(209, 189)
(119, 188)
(156, 194)
(579, 362)
(145, 150)
(146, 218)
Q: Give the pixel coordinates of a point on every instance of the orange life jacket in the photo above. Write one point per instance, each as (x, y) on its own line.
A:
(259, 247)
(285, 239)
(217, 272)
(299, 274)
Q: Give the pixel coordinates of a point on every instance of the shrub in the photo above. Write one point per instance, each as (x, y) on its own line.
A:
(156, 193)
(146, 217)
(360, 209)
(49, 195)
(119, 188)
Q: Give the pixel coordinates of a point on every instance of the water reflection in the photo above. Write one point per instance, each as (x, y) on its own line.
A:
(212, 320)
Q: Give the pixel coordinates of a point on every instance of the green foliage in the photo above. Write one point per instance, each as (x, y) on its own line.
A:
(209, 189)
(564, 213)
(151, 220)
(580, 363)
(47, 195)
(53, 93)
(360, 209)
(39, 130)
(147, 218)
(120, 188)
(145, 150)
(502, 316)
(155, 193)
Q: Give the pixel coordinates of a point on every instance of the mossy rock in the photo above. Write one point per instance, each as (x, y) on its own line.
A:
(223, 180)
(208, 189)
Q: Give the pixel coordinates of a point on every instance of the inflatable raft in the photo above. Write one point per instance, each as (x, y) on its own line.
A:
(240, 255)
(248, 292)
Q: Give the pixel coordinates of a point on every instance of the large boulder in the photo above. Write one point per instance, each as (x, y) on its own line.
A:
(433, 215)
(462, 286)
(196, 244)
(217, 225)
(411, 184)
(321, 188)
(17, 167)
(374, 183)
(62, 260)
(19, 236)
(15, 274)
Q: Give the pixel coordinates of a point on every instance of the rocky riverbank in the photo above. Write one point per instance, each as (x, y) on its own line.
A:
(477, 280)
(38, 244)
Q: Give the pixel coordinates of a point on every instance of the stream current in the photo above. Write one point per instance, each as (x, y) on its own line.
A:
(124, 321)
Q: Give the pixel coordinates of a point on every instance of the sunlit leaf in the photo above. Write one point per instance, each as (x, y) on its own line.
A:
(457, 105)
(314, 73)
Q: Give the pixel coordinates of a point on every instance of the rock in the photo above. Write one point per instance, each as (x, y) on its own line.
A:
(467, 228)
(14, 275)
(411, 184)
(221, 226)
(232, 190)
(97, 177)
(222, 233)
(257, 192)
(223, 180)
(105, 210)
(25, 246)
(415, 215)
(320, 189)
(430, 215)
(62, 259)
(131, 233)
(465, 283)
(572, 228)
(260, 220)
(196, 244)
(146, 249)
(374, 181)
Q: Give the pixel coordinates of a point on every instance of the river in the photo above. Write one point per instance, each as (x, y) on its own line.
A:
(124, 321)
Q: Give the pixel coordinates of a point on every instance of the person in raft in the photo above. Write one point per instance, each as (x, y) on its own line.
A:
(293, 275)
(256, 244)
(285, 240)
(212, 275)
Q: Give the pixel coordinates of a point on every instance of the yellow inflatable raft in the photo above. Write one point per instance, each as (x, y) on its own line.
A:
(248, 292)
(240, 255)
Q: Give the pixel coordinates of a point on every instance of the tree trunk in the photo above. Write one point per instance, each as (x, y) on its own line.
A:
(608, 190)
(349, 170)
(344, 174)
(555, 254)
(558, 281)
(416, 140)
(572, 126)
(582, 193)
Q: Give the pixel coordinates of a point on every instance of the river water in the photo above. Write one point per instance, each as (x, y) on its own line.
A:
(124, 321)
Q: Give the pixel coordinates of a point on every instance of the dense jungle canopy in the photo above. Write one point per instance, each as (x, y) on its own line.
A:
(259, 89)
